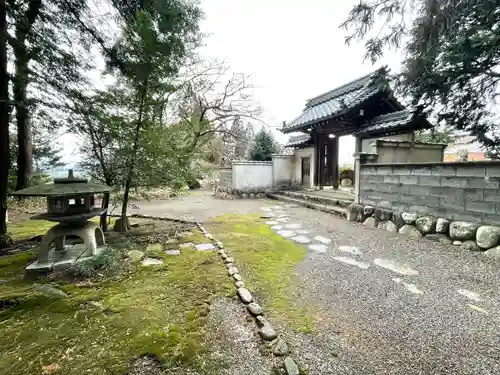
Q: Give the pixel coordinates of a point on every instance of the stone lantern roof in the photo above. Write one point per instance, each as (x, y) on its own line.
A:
(63, 187)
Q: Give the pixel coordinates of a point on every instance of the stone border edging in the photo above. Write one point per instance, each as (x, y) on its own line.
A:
(468, 235)
(265, 329)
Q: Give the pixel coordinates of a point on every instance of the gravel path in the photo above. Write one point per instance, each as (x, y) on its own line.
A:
(393, 305)
(388, 304)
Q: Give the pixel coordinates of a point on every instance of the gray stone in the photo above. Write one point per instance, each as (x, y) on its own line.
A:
(493, 253)
(219, 244)
(370, 222)
(388, 226)
(426, 224)
(117, 227)
(442, 225)
(261, 321)
(185, 234)
(409, 217)
(267, 216)
(186, 245)
(280, 348)
(229, 265)
(172, 241)
(223, 255)
(228, 260)
(291, 367)
(411, 231)
(470, 245)
(135, 255)
(239, 284)
(323, 240)
(151, 262)
(301, 239)
(382, 214)
(254, 309)
(245, 295)
(369, 210)
(173, 252)
(438, 237)
(292, 226)
(463, 230)
(267, 332)
(50, 291)
(355, 212)
(286, 233)
(277, 227)
(244, 196)
(487, 236)
(205, 247)
(457, 243)
(319, 248)
(237, 277)
(231, 271)
(397, 219)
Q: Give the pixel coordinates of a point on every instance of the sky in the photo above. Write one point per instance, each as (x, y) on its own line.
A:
(293, 50)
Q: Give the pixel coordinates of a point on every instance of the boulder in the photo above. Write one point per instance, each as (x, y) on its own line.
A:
(411, 231)
(397, 219)
(355, 212)
(382, 214)
(369, 210)
(463, 230)
(370, 222)
(388, 226)
(493, 253)
(245, 295)
(426, 224)
(409, 217)
(487, 236)
(442, 225)
(267, 332)
(470, 245)
(438, 237)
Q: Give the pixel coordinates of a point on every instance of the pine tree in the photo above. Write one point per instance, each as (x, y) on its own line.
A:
(264, 146)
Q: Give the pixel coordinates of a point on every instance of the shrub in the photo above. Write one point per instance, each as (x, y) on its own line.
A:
(107, 261)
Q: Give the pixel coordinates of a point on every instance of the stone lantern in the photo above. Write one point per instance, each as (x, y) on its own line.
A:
(70, 202)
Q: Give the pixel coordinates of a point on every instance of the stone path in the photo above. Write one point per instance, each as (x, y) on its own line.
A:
(394, 305)
(388, 304)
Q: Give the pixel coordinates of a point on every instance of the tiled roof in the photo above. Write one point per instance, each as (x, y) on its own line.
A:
(331, 103)
(390, 122)
(298, 140)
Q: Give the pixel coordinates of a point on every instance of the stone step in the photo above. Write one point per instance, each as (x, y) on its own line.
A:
(331, 209)
(330, 201)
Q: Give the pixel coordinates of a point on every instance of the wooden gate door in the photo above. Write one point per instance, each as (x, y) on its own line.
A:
(306, 171)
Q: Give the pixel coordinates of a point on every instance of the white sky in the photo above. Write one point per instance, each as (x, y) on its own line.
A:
(294, 50)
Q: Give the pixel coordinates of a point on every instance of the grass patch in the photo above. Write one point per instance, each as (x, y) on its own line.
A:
(267, 262)
(106, 323)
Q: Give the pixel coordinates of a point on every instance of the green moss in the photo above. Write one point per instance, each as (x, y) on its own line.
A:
(267, 262)
(28, 228)
(158, 311)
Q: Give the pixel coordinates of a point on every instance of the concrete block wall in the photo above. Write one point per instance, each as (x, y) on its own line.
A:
(466, 191)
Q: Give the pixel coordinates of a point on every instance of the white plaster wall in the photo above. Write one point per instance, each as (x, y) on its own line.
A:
(366, 143)
(297, 160)
(249, 175)
(283, 170)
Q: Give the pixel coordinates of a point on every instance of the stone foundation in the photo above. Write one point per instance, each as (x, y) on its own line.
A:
(223, 192)
(468, 235)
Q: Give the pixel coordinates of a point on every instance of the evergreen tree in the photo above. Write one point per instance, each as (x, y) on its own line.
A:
(451, 57)
(264, 146)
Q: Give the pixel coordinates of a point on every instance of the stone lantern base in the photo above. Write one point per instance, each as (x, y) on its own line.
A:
(53, 253)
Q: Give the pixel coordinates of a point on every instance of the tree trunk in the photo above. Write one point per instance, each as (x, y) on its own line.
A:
(131, 166)
(4, 124)
(104, 217)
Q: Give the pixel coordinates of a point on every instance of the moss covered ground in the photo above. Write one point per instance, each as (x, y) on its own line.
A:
(267, 263)
(104, 324)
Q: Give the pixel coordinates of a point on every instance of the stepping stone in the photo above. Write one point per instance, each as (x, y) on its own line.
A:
(185, 245)
(205, 247)
(267, 209)
(352, 262)
(318, 248)
(291, 205)
(301, 239)
(286, 233)
(173, 252)
(323, 240)
(293, 226)
(277, 227)
(350, 249)
(271, 222)
(267, 216)
(303, 231)
(401, 268)
(282, 219)
(151, 262)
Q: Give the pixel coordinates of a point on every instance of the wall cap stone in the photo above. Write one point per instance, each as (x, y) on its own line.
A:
(251, 162)
(482, 163)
